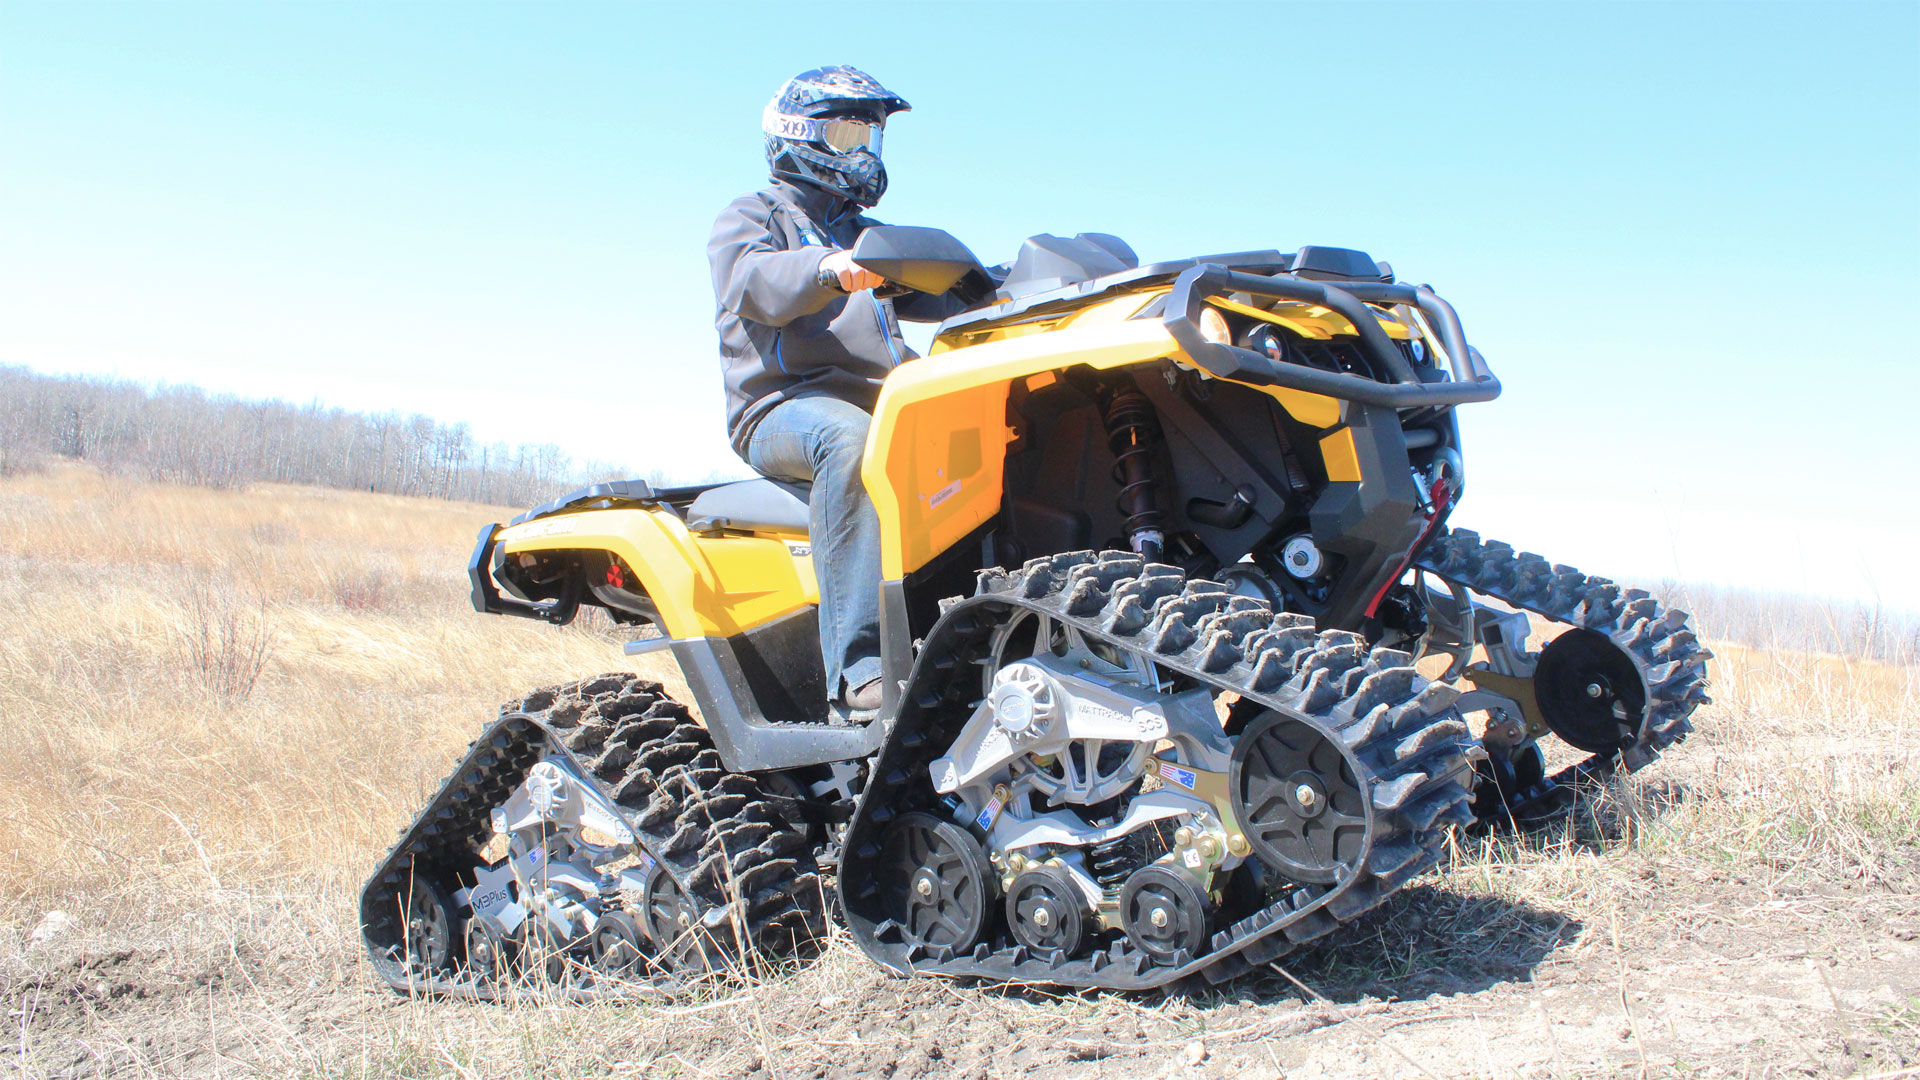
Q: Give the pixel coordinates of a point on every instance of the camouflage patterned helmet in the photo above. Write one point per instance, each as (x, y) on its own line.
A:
(823, 128)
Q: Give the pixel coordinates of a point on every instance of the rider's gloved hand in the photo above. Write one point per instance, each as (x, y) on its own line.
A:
(851, 278)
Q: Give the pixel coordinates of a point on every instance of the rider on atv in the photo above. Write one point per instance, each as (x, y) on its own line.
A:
(806, 343)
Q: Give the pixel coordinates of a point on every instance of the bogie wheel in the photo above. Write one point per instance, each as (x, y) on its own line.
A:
(937, 882)
(492, 957)
(1047, 912)
(617, 947)
(431, 915)
(1295, 794)
(1591, 692)
(1164, 913)
(543, 951)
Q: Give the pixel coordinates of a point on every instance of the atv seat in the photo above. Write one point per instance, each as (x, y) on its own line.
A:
(760, 505)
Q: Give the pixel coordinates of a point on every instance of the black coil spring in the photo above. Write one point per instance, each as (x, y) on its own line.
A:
(1132, 432)
(1111, 862)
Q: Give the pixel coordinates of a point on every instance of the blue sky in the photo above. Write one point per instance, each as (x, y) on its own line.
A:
(1684, 235)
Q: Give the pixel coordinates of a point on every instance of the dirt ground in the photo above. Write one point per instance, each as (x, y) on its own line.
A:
(1749, 906)
(1761, 972)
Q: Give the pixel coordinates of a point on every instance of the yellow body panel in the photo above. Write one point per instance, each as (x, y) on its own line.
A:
(1107, 312)
(1318, 410)
(1311, 320)
(703, 585)
(936, 453)
(1343, 461)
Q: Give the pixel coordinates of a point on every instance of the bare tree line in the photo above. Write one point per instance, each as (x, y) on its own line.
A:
(182, 434)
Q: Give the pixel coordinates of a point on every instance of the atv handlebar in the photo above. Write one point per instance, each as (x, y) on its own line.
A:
(1472, 380)
(827, 279)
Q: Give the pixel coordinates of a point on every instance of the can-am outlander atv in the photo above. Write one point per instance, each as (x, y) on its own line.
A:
(1185, 735)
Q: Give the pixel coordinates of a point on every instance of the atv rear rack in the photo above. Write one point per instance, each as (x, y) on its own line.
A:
(1472, 380)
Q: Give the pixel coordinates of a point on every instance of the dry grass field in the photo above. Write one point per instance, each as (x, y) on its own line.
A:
(218, 707)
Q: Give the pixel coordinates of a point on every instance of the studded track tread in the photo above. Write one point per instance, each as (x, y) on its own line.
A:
(1402, 730)
(659, 765)
(1663, 646)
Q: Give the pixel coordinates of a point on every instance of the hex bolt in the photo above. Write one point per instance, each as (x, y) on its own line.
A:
(1042, 917)
(1158, 916)
(1305, 795)
(1595, 690)
(925, 888)
(1209, 846)
(1183, 836)
(1238, 844)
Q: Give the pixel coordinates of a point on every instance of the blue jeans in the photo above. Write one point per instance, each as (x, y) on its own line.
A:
(821, 440)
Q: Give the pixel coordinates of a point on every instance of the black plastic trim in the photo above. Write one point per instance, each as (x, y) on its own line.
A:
(486, 594)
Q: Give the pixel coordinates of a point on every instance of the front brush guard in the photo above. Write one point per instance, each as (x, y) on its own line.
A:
(1472, 380)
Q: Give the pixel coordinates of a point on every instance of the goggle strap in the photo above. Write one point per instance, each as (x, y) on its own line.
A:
(787, 126)
(802, 128)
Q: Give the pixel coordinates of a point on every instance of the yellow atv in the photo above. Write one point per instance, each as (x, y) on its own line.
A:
(1184, 736)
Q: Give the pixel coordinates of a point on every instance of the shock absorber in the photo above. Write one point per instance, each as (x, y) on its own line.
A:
(1133, 430)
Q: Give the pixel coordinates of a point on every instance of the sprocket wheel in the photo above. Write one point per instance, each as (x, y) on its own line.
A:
(1295, 796)
(1165, 914)
(1047, 912)
(938, 878)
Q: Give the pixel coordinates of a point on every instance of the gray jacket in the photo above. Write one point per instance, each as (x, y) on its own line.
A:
(782, 333)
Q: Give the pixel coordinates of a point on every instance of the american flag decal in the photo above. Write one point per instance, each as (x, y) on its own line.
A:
(1174, 774)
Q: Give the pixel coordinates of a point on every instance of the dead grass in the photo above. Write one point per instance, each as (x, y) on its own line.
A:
(209, 845)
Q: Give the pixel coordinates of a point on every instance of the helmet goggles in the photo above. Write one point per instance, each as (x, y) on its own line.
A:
(841, 134)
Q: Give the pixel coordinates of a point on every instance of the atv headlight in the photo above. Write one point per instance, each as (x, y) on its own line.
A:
(1213, 327)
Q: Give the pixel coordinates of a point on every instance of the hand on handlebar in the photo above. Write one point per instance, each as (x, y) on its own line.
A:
(838, 271)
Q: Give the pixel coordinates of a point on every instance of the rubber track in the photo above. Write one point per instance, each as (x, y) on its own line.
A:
(1411, 748)
(1669, 656)
(715, 831)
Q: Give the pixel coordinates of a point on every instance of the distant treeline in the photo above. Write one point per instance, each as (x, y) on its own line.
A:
(183, 434)
(1783, 620)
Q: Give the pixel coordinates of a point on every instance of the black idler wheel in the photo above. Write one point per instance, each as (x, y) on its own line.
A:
(937, 882)
(1297, 800)
(616, 946)
(1591, 692)
(1164, 914)
(431, 917)
(1047, 912)
(492, 957)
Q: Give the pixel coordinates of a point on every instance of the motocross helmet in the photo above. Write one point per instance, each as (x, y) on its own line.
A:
(823, 128)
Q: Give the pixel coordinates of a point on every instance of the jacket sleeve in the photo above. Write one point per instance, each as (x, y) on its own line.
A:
(756, 279)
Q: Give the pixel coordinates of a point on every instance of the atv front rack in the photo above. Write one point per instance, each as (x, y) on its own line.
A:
(1472, 380)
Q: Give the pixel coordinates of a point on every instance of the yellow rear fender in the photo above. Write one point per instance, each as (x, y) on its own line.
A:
(700, 585)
